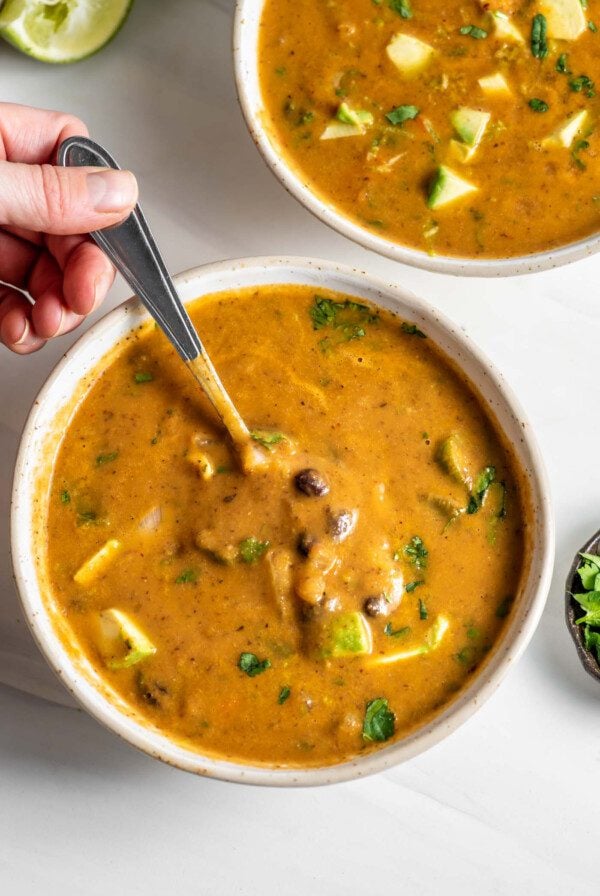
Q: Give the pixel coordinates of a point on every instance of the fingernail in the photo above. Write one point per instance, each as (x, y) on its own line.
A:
(112, 191)
(23, 335)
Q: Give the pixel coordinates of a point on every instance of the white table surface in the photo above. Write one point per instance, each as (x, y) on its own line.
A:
(510, 802)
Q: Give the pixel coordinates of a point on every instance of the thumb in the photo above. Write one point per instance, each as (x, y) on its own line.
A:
(59, 200)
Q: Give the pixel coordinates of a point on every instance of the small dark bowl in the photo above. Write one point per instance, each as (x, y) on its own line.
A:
(573, 611)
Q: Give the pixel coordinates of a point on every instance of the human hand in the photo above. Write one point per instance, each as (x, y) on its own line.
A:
(43, 212)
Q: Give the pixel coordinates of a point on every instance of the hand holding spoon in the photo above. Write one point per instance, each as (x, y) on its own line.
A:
(132, 249)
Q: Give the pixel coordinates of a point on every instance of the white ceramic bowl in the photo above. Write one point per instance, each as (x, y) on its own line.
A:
(41, 438)
(246, 33)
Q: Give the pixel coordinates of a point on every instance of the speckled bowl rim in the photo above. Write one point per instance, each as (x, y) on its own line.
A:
(245, 56)
(83, 357)
(573, 610)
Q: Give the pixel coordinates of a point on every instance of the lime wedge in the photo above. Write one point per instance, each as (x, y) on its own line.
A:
(61, 30)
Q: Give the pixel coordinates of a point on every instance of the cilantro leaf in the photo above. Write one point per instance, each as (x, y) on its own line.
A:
(539, 44)
(417, 553)
(538, 105)
(423, 614)
(379, 722)
(473, 31)
(251, 549)
(143, 376)
(400, 114)
(251, 665)
(402, 7)
(480, 488)
(504, 607)
(562, 65)
(395, 633)
(410, 587)
(267, 439)
(412, 330)
(106, 458)
(65, 497)
(590, 602)
(284, 693)
(590, 576)
(187, 577)
(583, 84)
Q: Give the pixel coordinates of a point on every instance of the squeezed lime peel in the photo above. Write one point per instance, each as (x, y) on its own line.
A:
(62, 31)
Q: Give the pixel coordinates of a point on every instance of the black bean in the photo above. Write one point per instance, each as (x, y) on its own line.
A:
(340, 524)
(306, 543)
(311, 483)
(376, 605)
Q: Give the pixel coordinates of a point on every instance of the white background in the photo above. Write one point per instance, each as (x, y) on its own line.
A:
(510, 804)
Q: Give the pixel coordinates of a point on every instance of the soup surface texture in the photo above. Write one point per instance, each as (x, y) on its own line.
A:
(461, 128)
(325, 603)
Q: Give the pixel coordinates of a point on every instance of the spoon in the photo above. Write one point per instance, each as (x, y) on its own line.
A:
(133, 251)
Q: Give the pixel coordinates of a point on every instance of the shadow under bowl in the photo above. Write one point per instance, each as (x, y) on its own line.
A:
(573, 610)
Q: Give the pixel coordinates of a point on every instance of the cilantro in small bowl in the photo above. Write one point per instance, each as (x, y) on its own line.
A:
(583, 605)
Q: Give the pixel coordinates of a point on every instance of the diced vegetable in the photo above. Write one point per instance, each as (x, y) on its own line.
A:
(451, 457)
(447, 187)
(345, 634)
(359, 117)
(565, 19)
(432, 640)
(470, 125)
(409, 54)
(336, 129)
(495, 84)
(210, 542)
(124, 643)
(92, 568)
(504, 28)
(566, 133)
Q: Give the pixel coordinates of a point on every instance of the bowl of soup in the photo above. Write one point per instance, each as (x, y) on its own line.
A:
(460, 139)
(338, 609)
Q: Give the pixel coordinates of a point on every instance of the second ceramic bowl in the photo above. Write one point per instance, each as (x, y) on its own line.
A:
(246, 42)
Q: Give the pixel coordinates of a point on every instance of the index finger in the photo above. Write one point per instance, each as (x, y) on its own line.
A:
(33, 135)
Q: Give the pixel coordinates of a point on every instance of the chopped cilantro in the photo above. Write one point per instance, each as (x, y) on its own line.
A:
(465, 656)
(251, 665)
(562, 65)
(539, 44)
(503, 608)
(187, 577)
(480, 488)
(395, 633)
(473, 31)
(87, 517)
(222, 468)
(412, 330)
(143, 376)
(267, 439)
(347, 320)
(402, 7)
(379, 722)
(106, 458)
(423, 614)
(65, 497)
(538, 105)
(583, 84)
(251, 549)
(592, 26)
(284, 693)
(410, 587)
(579, 147)
(472, 633)
(417, 553)
(400, 114)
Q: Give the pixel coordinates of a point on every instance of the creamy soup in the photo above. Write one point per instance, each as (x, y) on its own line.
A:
(463, 129)
(331, 600)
